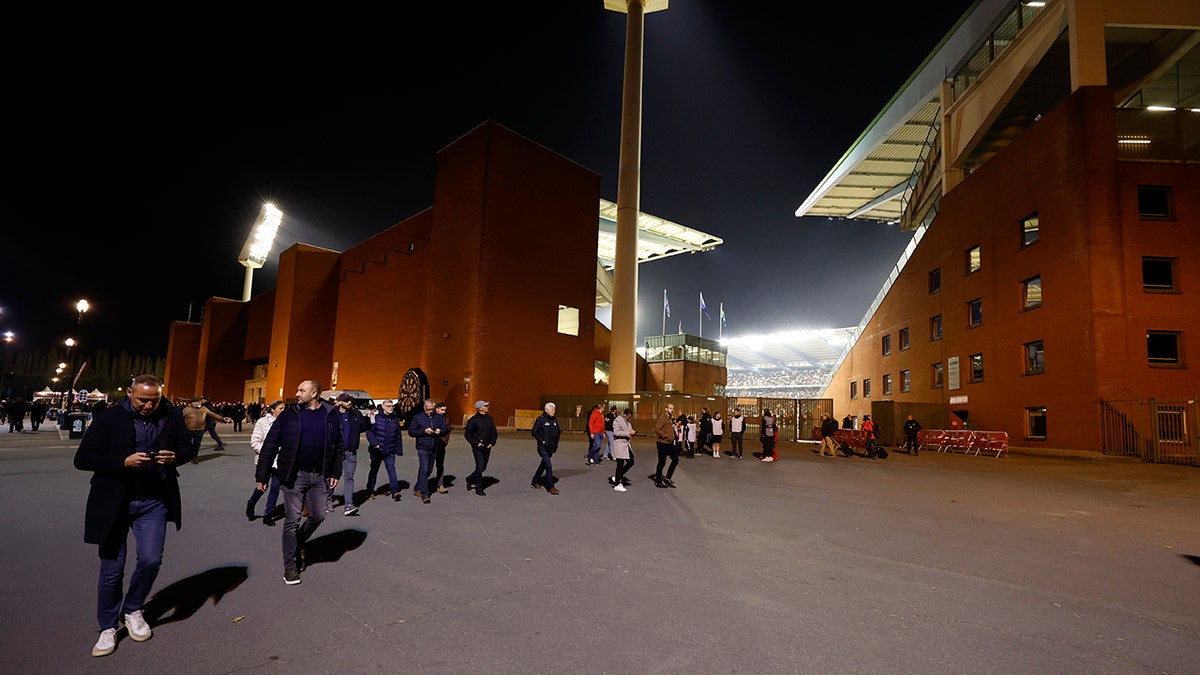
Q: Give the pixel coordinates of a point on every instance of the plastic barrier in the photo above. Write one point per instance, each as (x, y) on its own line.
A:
(991, 441)
(970, 442)
(932, 438)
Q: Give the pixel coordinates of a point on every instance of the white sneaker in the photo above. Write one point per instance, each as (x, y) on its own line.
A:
(107, 643)
(619, 488)
(139, 630)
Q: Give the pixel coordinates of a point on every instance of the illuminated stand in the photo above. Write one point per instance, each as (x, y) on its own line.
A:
(258, 244)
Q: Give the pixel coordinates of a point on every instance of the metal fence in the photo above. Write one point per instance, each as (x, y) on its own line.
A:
(1155, 430)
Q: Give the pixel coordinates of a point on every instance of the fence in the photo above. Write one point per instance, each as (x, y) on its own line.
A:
(1155, 430)
(968, 441)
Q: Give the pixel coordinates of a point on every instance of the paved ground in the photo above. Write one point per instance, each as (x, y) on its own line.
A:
(929, 564)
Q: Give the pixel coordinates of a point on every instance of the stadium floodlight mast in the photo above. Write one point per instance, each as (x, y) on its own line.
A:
(258, 244)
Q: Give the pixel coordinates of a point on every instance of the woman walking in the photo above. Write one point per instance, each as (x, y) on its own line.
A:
(770, 433)
(718, 432)
(622, 449)
(257, 436)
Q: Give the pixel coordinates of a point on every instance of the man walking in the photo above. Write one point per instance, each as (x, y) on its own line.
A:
(307, 440)
(595, 427)
(829, 427)
(546, 431)
(426, 426)
(481, 435)
(196, 418)
(132, 449)
(353, 425)
(210, 423)
(664, 432)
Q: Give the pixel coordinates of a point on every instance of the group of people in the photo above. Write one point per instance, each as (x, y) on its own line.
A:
(13, 413)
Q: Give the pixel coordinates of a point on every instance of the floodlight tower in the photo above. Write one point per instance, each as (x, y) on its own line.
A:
(258, 244)
(622, 375)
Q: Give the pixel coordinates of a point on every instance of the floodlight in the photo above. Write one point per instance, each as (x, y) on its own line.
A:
(258, 244)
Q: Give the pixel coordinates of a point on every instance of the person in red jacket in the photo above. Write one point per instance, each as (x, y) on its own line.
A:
(595, 427)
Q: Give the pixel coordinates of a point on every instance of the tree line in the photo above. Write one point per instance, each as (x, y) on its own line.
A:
(25, 372)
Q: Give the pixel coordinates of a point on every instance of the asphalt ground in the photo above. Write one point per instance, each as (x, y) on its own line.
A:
(929, 564)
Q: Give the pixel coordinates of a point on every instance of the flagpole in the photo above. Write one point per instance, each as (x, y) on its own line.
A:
(665, 305)
(721, 323)
(701, 333)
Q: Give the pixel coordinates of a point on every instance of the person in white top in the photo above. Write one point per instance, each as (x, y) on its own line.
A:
(261, 427)
(737, 428)
(718, 431)
(622, 449)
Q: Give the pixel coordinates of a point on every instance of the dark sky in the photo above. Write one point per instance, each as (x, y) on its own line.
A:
(144, 143)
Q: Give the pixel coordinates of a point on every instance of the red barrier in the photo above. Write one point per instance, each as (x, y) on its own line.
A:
(991, 441)
(930, 437)
(971, 442)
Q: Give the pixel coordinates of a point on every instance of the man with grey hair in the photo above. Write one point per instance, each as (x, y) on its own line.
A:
(426, 426)
(546, 431)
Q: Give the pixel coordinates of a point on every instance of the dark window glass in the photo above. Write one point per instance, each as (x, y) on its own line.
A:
(975, 312)
(935, 328)
(1154, 202)
(1034, 358)
(976, 367)
(903, 339)
(1035, 422)
(854, 390)
(887, 385)
(935, 280)
(1158, 274)
(905, 380)
(938, 375)
(1162, 346)
(867, 388)
(887, 345)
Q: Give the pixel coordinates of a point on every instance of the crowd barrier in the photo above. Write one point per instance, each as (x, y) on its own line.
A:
(968, 441)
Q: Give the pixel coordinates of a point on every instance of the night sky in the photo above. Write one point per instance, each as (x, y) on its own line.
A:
(143, 144)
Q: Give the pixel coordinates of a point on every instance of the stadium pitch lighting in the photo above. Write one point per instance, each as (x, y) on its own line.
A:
(258, 244)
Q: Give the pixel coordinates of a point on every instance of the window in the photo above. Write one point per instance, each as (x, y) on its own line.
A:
(568, 320)
(1034, 358)
(935, 280)
(935, 328)
(903, 339)
(1035, 423)
(1158, 275)
(974, 260)
(854, 390)
(905, 380)
(1029, 230)
(938, 375)
(975, 312)
(867, 388)
(1154, 202)
(1031, 290)
(1162, 347)
(887, 345)
(976, 362)
(887, 385)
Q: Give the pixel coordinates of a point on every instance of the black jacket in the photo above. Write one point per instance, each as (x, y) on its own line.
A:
(546, 431)
(481, 431)
(283, 440)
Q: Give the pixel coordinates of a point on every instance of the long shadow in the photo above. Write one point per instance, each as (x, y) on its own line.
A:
(183, 598)
(1194, 559)
(331, 547)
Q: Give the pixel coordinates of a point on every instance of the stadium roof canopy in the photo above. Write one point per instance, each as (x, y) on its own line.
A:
(797, 349)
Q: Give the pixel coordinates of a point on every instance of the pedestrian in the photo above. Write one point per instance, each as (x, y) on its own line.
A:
(705, 430)
(595, 427)
(385, 443)
(718, 433)
(133, 450)
(306, 439)
(37, 414)
(608, 431)
(238, 415)
(353, 425)
(257, 436)
(622, 450)
(440, 444)
(847, 422)
(481, 435)
(681, 444)
(664, 434)
(16, 415)
(693, 435)
(210, 423)
(196, 418)
(737, 430)
(425, 426)
(546, 431)
(829, 428)
(770, 434)
(911, 428)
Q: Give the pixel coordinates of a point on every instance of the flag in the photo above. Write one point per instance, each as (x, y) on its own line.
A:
(681, 326)
(666, 303)
(703, 307)
(723, 324)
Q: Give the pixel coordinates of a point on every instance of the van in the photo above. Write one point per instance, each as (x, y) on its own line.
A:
(359, 399)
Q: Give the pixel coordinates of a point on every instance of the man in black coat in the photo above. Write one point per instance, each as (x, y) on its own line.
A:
(481, 435)
(132, 449)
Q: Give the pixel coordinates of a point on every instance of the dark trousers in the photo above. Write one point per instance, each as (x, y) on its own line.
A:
(482, 455)
(307, 493)
(211, 428)
(272, 498)
(735, 443)
(545, 471)
(623, 466)
(665, 451)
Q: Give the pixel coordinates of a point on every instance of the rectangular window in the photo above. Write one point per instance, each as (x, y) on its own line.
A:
(1035, 423)
(887, 345)
(903, 339)
(1034, 358)
(1162, 347)
(905, 380)
(1031, 290)
(974, 259)
(568, 320)
(1158, 274)
(1029, 230)
(975, 312)
(976, 361)
(867, 388)
(887, 385)
(938, 375)
(935, 328)
(854, 390)
(935, 280)
(1154, 202)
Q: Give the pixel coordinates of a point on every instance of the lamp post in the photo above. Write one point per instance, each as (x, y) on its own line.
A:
(81, 307)
(69, 342)
(258, 243)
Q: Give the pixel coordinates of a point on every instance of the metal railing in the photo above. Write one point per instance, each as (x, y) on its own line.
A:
(1155, 430)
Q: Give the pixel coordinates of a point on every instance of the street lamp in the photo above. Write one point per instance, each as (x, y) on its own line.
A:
(69, 342)
(81, 307)
(258, 244)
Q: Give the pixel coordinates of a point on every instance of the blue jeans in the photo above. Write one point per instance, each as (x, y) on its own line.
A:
(609, 435)
(349, 464)
(389, 464)
(147, 519)
(546, 469)
(425, 460)
(597, 444)
(272, 497)
(309, 491)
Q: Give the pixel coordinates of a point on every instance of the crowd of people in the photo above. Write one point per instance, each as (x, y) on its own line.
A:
(777, 383)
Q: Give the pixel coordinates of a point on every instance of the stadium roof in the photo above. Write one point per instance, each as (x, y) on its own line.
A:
(798, 349)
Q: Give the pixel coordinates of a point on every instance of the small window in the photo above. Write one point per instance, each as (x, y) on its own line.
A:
(867, 388)
(935, 328)
(938, 375)
(854, 390)
(935, 280)
(974, 260)
(887, 344)
(905, 380)
(1162, 347)
(1034, 358)
(975, 312)
(1035, 423)
(1029, 230)
(903, 339)
(1031, 290)
(568, 320)
(976, 361)
(1158, 275)
(1154, 202)
(887, 385)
